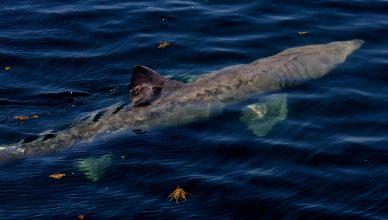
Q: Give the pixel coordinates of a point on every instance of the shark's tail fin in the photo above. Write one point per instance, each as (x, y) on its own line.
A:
(309, 62)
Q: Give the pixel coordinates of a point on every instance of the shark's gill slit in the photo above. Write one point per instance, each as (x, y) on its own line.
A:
(30, 138)
(279, 80)
(48, 136)
(287, 77)
(98, 116)
(302, 70)
(139, 131)
(84, 119)
(118, 109)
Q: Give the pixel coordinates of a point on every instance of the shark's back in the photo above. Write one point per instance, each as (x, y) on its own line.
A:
(286, 69)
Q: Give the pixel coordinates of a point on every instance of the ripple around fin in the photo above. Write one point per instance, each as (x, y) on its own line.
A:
(61, 95)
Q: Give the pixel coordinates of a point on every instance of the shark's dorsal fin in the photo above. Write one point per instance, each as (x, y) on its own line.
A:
(147, 85)
(142, 74)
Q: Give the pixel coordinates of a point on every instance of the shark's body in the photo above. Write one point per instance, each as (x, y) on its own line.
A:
(158, 101)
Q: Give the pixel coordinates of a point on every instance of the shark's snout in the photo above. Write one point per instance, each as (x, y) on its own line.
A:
(296, 65)
(356, 43)
(348, 47)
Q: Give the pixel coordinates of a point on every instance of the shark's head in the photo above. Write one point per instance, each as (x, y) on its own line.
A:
(325, 57)
(299, 64)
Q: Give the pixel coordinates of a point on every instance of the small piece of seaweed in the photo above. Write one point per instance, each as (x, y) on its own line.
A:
(21, 118)
(163, 44)
(57, 176)
(178, 194)
(25, 118)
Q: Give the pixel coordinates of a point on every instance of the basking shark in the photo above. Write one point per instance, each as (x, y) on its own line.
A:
(159, 101)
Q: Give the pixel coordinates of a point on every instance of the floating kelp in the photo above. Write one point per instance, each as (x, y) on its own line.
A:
(178, 194)
(57, 176)
(262, 116)
(94, 168)
(163, 44)
(21, 118)
(25, 118)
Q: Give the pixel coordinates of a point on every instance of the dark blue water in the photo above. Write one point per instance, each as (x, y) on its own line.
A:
(327, 160)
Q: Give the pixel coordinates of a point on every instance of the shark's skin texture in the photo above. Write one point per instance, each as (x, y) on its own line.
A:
(163, 102)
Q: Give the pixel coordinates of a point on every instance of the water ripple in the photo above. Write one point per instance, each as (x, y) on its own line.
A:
(326, 160)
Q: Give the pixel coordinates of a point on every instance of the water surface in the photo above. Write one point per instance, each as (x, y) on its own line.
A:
(327, 160)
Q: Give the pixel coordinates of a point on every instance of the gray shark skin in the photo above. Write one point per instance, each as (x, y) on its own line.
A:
(158, 101)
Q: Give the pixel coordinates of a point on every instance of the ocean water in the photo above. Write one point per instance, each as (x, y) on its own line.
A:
(327, 160)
